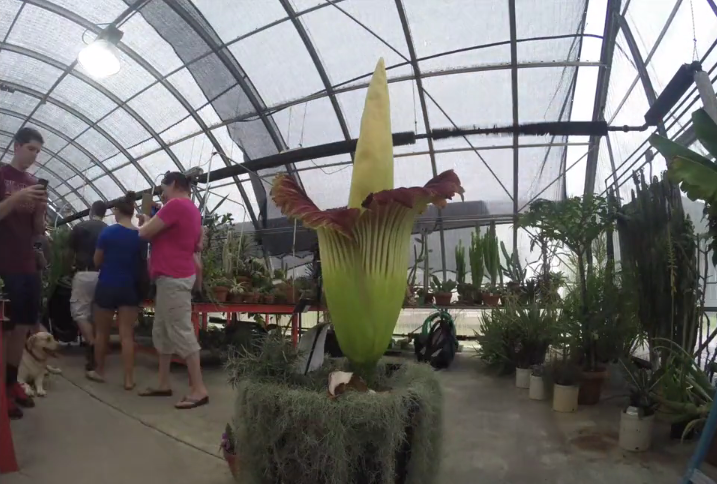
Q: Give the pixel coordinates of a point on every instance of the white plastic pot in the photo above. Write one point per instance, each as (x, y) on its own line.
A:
(565, 398)
(635, 431)
(522, 377)
(537, 388)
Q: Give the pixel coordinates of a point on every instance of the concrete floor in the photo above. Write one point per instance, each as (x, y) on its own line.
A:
(85, 432)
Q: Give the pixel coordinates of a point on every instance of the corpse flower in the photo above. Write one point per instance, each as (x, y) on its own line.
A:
(365, 246)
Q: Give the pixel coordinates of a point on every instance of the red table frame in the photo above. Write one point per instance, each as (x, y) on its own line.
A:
(201, 311)
(8, 462)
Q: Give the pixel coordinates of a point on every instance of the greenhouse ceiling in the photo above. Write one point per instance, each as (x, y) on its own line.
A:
(210, 83)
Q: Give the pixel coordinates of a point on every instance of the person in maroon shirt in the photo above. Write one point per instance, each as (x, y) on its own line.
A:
(23, 203)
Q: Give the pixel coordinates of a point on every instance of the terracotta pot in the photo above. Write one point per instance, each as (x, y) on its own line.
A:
(269, 298)
(478, 298)
(220, 293)
(491, 300)
(635, 431)
(565, 398)
(443, 298)
(591, 386)
(428, 298)
(244, 280)
(253, 298)
(233, 463)
(236, 298)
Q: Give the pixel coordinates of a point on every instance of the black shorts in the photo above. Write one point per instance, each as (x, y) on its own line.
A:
(113, 297)
(24, 291)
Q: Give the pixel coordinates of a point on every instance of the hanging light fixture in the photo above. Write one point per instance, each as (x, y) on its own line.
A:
(100, 58)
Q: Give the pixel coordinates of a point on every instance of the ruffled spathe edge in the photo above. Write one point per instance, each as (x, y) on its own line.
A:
(294, 203)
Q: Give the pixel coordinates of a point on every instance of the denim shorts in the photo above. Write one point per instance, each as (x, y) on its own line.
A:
(24, 292)
(115, 297)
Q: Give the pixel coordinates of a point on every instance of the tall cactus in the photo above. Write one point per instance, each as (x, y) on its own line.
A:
(460, 254)
(475, 254)
(491, 256)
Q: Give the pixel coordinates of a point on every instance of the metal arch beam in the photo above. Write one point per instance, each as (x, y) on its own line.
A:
(159, 78)
(424, 111)
(319, 66)
(516, 119)
(84, 119)
(601, 91)
(62, 135)
(243, 81)
(641, 68)
(67, 165)
(54, 63)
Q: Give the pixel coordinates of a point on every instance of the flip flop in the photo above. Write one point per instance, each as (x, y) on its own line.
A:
(192, 403)
(94, 376)
(153, 392)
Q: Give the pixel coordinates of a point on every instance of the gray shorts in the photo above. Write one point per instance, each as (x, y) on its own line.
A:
(173, 331)
(83, 293)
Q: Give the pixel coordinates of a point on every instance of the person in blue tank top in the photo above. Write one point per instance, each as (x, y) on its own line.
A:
(121, 257)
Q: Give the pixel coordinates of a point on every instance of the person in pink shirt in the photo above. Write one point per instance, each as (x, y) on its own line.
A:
(175, 237)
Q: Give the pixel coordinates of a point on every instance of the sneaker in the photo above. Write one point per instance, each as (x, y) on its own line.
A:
(13, 411)
(17, 393)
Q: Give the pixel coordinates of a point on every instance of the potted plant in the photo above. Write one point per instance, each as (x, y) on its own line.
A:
(637, 418)
(228, 448)
(237, 292)
(420, 255)
(443, 290)
(576, 223)
(534, 328)
(475, 255)
(515, 273)
(219, 287)
(497, 338)
(353, 400)
(491, 258)
(565, 374)
(536, 389)
(464, 289)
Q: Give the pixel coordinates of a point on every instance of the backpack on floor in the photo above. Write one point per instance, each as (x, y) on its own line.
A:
(437, 344)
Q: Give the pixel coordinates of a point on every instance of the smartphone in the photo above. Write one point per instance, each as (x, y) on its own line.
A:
(43, 182)
(147, 204)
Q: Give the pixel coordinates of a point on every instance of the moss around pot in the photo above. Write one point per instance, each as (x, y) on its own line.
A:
(290, 431)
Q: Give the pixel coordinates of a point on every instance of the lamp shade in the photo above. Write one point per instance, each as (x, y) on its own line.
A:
(100, 59)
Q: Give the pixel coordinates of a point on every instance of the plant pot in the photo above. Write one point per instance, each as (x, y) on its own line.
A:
(428, 299)
(635, 431)
(233, 463)
(478, 298)
(269, 299)
(491, 300)
(443, 298)
(591, 386)
(522, 377)
(253, 298)
(536, 390)
(236, 298)
(565, 398)
(220, 293)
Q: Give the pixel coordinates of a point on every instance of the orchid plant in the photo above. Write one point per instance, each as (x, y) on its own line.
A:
(365, 246)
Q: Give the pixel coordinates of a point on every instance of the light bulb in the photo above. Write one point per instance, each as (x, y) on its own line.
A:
(100, 59)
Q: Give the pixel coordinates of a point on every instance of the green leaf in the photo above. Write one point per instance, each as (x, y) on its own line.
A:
(706, 131)
(696, 174)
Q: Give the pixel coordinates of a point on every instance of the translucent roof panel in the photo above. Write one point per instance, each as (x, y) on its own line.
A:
(206, 83)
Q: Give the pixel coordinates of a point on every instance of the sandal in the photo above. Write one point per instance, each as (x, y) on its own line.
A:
(191, 403)
(153, 392)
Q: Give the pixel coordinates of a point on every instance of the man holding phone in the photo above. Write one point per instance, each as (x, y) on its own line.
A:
(23, 203)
